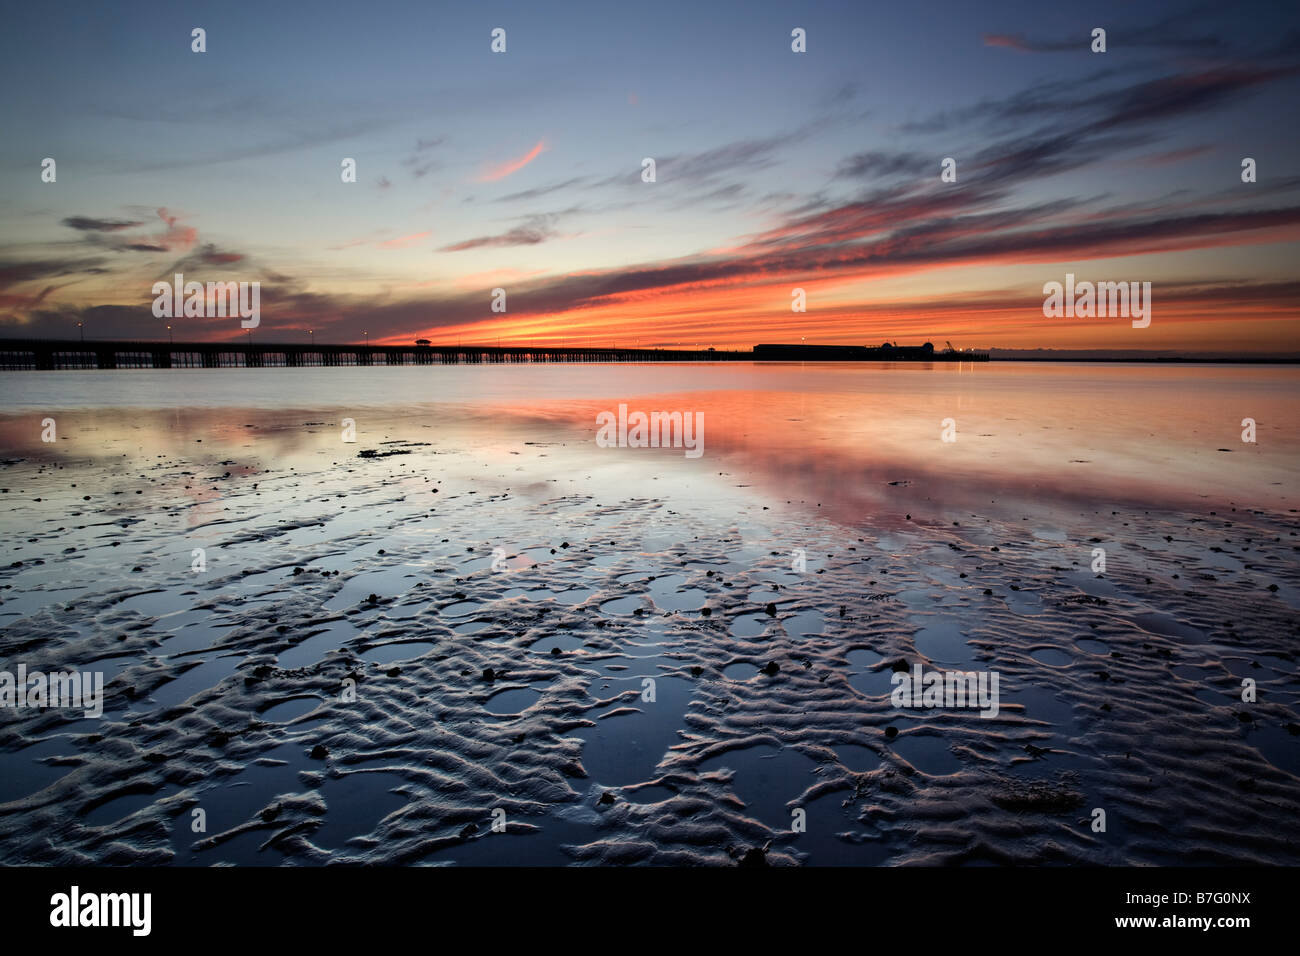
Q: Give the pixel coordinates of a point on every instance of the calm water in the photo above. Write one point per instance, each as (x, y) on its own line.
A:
(837, 432)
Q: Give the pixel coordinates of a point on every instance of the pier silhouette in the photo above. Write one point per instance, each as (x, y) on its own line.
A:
(52, 354)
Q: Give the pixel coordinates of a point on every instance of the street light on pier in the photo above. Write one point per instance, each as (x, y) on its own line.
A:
(82, 330)
(311, 335)
(170, 338)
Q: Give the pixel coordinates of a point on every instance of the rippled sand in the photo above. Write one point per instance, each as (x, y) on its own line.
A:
(770, 686)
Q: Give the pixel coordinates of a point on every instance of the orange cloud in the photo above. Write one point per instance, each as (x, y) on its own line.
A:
(402, 241)
(497, 173)
(177, 237)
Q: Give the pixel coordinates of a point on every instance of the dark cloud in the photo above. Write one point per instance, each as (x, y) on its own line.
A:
(14, 272)
(540, 191)
(875, 164)
(728, 193)
(1186, 31)
(421, 165)
(87, 224)
(696, 169)
(1026, 235)
(1087, 103)
(537, 229)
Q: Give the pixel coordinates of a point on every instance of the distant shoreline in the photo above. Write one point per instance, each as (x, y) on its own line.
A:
(110, 355)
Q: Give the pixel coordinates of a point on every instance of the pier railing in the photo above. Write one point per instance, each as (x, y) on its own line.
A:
(50, 354)
(45, 354)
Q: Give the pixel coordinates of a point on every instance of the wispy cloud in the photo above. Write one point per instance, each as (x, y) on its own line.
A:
(536, 229)
(497, 173)
(87, 224)
(401, 242)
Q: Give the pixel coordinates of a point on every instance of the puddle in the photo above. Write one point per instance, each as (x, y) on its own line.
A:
(920, 599)
(195, 680)
(1023, 602)
(928, 754)
(234, 800)
(942, 641)
(626, 749)
(313, 648)
(119, 808)
(198, 630)
(863, 659)
(644, 795)
(1051, 656)
(1163, 624)
(835, 837)
(388, 583)
(573, 596)
(749, 626)
(561, 827)
(461, 609)
(666, 596)
(623, 605)
(287, 710)
(356, 803)
(873, 683)
(857, 757)
(508, 703)
(766, 779)
(25, 774)
(1278, 747)
(565, 642)
(803, 623)
(1046, 705)
(157, 603)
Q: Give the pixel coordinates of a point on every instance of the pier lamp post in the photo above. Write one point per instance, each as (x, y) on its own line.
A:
(367, 335)
(311, 336)
(82, 330)
(171, 340)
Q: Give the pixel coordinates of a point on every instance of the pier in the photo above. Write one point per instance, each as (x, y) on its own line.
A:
(46, 354)
(53, 354)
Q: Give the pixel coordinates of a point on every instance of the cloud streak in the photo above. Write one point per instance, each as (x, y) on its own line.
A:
(500, 172)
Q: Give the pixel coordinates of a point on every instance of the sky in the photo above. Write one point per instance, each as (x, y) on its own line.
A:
(775, 170)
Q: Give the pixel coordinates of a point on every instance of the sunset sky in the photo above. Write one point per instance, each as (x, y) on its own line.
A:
(775, 170)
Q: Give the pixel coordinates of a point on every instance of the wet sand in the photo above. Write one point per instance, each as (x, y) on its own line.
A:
(522, 687)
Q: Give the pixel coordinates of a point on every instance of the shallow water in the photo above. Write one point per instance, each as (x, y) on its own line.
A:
(320, 690)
